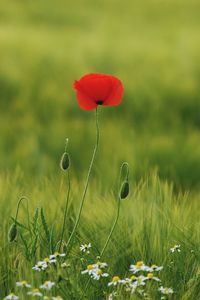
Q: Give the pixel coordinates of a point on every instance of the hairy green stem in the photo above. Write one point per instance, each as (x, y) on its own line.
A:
(87, 181)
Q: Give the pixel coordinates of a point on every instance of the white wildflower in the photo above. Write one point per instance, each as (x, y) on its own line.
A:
(23, 283)
(116, 281)
(94, 270)
(136, 282)
(85, 248)
(139, 266)
(155, 268)
(166, 291)
(41, 265)
(47, 285)
(11, 297)
(176, 248)
(98, 273)
(35, 292)
(56, 255)
(150, 276)
(90, 269)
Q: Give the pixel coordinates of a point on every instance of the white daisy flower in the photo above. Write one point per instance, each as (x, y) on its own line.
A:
(150, 276)
(23, 283)
(56, 255)
(85, 248)
(101, 265)
(165, 291)
(132, 287)
(11, 297)
(115, 281)
(41, 265)
(139, 266)
(57, 298)
(136, 282)
(155, 268)
(98, 273)
(95, 271)
(176, 248)
(47, 285)
(35, 292)
(90, 269)
(46, 298)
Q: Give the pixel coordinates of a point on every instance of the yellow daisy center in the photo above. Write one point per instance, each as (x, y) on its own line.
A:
(90, 267)
(153, 266)
(115, 279)
(139, 264)
(99, 272)
(133, 278)
(46, 259)
(35, 290)
(150, 275)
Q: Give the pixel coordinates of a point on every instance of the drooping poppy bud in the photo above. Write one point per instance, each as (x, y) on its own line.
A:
(65, 161)
(98, 89)
(124, 189)
(12, 233)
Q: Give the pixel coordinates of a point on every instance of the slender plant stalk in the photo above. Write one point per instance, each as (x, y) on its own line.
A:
(87, 181)
(66, 209)
(125, 164)
(113, 227)
(18, 205)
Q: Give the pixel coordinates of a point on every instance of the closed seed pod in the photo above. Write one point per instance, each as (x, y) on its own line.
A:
(124, 190)
(65, 161)
(12, 234)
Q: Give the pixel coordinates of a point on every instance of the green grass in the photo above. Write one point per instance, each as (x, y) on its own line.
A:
(152, 220)
(153, 46)
(45, 46)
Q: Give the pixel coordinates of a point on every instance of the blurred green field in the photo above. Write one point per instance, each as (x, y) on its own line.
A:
(154, 48)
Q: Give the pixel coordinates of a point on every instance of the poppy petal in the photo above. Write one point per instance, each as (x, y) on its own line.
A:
(85, 102)
(116, 94)
(97, 86)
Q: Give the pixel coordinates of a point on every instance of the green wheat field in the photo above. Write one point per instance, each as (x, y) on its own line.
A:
(154, 48)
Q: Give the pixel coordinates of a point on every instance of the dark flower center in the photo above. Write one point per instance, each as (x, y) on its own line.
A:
(99, 102)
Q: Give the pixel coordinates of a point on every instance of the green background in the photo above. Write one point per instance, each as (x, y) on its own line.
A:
(152, 46)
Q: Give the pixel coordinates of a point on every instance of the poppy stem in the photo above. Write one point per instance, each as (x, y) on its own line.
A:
(87, 181)
(18, 205)
(66, 209)
(125, 164)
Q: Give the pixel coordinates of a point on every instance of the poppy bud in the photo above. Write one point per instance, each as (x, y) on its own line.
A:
(12, 232)
(124, 190)
(65, 161)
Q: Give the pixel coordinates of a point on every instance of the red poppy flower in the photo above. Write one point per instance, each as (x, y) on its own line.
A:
(98, 89)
